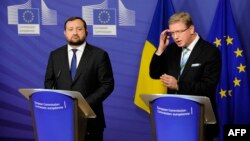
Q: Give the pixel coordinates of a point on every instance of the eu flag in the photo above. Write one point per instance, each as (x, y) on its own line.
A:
(28, 16)
(232, 96)
(104, 17)
(145, 84)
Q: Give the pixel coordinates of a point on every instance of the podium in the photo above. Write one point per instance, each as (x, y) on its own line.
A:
(58, 115)
(179, 117)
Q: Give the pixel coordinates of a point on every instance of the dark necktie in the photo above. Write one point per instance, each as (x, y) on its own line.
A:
(73, 64)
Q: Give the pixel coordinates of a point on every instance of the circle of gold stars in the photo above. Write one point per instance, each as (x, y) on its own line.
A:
(102, 14)
(28, 12)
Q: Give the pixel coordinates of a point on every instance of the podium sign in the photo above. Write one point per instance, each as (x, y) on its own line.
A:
(179, 117)
(58, 115)
(176, 119)
(54, 116)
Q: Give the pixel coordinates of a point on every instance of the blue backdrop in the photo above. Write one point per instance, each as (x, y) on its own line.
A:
(24, 54)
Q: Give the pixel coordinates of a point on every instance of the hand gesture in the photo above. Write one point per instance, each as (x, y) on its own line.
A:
(164, 41)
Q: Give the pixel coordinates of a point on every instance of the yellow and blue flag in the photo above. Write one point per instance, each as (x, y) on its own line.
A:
(146, 85)
(232, 96)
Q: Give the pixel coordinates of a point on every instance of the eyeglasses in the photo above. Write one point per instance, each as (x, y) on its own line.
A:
(178, 32)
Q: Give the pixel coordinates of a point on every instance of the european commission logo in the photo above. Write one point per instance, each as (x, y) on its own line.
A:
(104, 17)
(28, 19)
(104, 20)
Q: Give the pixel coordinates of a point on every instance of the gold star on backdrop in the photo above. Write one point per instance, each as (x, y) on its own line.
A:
(230, 92)
(236, 82)
(238, 52)
(229, 40)
(222, 93)
(241, 68)
(217, 42)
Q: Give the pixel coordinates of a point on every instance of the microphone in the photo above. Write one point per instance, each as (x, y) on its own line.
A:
(57, 76)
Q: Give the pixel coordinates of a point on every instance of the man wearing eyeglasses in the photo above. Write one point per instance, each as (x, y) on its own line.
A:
(190, 65)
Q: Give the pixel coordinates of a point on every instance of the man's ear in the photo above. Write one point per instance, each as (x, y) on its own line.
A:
(192, 29)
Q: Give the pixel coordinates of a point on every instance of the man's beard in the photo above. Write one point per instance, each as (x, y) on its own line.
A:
(76, 43)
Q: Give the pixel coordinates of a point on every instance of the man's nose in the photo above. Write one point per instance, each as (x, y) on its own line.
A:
(75, 31)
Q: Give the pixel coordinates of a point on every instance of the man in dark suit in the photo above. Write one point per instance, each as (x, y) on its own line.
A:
(190, 65)
(93, 76)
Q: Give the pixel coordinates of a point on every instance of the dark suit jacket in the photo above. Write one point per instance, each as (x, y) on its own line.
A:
(200, 75)
(94, 78)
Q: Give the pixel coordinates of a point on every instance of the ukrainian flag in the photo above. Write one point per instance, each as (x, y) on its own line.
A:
(146, 85)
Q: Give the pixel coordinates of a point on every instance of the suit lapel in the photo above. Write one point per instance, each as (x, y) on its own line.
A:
(194, 54)
(83, 62)
(65, 64)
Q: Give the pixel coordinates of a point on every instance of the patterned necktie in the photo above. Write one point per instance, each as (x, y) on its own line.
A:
(184, 58)
(73, 64)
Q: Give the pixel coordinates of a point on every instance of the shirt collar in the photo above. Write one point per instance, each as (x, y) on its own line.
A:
(191, 46)
(79, 48)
